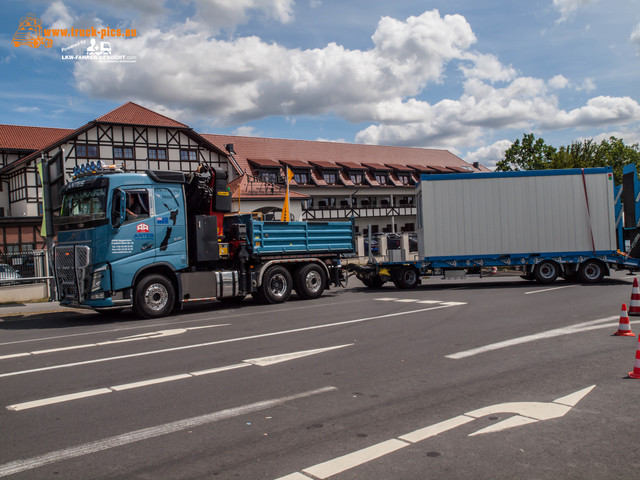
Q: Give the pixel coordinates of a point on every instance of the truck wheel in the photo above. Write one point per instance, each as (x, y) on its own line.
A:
(154, 296)
(405, 278)
(276, 285)
(309, 281)
(546, 272)
(591, 271)
(372, 281)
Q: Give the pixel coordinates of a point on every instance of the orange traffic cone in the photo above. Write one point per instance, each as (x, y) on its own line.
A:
(624, 330)
(636, 365)
(634, 306)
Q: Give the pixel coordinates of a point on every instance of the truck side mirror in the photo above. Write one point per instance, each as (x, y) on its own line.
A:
(118, 212)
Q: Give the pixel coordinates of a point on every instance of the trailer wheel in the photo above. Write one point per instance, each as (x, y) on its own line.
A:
(309, 281)
(405, 278)
(372, 281)
(546, 272)
(591, 271)
(276, 285)
(154, 296)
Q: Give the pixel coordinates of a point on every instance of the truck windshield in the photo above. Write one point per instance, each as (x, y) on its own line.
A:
(81, 206)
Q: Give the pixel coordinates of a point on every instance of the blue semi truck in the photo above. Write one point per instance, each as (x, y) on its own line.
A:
(158, 240)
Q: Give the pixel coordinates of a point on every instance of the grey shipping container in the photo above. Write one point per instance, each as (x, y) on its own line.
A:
(510, 213)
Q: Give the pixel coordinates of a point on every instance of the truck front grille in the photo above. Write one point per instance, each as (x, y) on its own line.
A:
(72, 272)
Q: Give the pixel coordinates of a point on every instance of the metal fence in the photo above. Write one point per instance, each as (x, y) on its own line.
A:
(24, 267)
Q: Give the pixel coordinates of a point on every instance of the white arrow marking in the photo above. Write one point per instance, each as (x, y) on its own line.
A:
(530, 412)
(261, 362)
(131, 338)
(266, 361)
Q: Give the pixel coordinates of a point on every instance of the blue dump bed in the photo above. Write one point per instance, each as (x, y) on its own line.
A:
(277, 238)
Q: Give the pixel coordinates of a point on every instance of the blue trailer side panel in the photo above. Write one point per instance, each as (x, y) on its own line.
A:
(268, 238)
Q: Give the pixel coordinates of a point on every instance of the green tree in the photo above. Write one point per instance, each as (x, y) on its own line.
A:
(532, 154)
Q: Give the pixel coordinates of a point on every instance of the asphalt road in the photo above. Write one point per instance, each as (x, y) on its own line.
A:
(359, 384)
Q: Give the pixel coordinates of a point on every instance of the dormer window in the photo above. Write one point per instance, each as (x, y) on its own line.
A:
(301, 177)
(356, 176)
(381, 177)
(269, 175)
(405, 178)
(330, 176)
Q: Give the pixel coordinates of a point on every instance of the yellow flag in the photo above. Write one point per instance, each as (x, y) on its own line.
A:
(285, 208)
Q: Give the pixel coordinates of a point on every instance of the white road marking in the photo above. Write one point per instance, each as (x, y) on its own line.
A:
(220, 342)
(548, 289)
(266, 361)
(530, 412)
(27, 464)
(438, 428)
(386, 299)
(131, 338)
(261, 362)
(346, 462)
(568, 330)
(407, 300)
(174, 321)
(429, 302)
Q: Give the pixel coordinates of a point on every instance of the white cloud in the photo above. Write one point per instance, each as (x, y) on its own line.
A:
(190, 75)
(229, 13)
(245, 131)
(489, 155)
(635, 37)
(559, 82)
(567, 7)
(246, 78)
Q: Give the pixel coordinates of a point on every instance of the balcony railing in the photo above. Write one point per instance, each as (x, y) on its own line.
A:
(329, 213)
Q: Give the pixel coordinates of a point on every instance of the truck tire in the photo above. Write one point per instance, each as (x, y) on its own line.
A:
(591, 271)
(154, 296)
(276, 285)
(546, 271)
(405, 278)
(309, 281)
(372, 281)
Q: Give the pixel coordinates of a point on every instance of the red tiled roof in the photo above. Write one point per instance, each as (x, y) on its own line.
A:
(377, 166)
(264, 162)
(351, 165)
(296, 163)
(339, 153)
(133, 114)
(399, 167)
(17, 137)
(242, 188)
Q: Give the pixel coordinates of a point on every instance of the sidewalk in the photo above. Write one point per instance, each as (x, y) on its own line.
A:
(8, 310)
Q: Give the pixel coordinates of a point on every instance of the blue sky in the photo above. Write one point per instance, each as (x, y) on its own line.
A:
(467, 76)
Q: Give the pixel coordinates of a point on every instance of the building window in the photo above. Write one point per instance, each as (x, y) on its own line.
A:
(301, 177)
(381, 178)
(18, 186)
(189, 155)
(269, 176)
(157, 154)
(356, 177)
(404, 178)
(87, 151)
(122, 153)
(329, 176)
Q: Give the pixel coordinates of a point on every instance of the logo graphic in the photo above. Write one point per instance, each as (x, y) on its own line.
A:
(96, 50)
(142, 228)
(30, 33)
